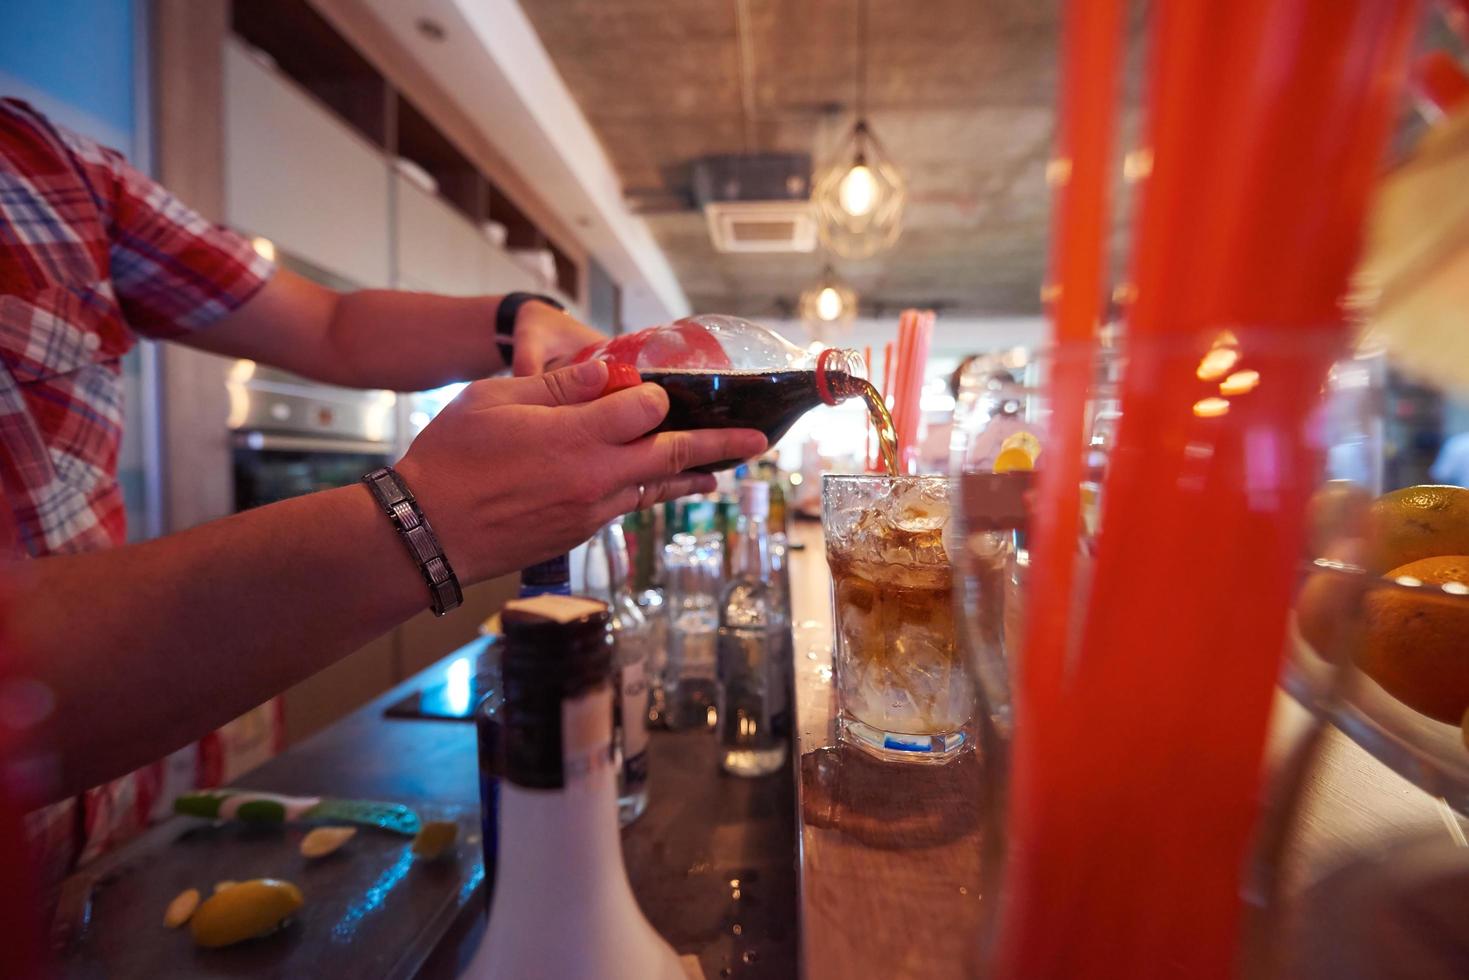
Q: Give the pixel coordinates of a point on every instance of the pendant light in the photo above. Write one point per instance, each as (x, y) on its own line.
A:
(828, 307)
(859, 198)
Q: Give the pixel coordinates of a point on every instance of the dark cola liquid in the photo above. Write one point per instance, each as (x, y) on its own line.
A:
(770, 401)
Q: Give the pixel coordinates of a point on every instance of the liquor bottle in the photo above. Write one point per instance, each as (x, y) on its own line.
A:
(726, 526)
(778, 527)
(607, 579)
(754, 696)
(549, 577)
(691, 564)
(645, 548)
(673, 511)
(767, 468)
(562, 903)
(725, 372)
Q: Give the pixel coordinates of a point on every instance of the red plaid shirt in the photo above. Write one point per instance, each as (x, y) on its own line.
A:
(92, 254)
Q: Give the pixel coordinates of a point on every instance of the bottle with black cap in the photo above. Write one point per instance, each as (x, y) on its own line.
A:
(562, 906)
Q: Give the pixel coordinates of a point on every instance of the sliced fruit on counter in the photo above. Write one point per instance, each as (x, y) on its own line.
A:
(1415, 642)
(1014, 459)
(1417, 522)
(244, 911)
(253, 807)
(436, 837)
(181, 908)
(1025, 441)
(324, 840)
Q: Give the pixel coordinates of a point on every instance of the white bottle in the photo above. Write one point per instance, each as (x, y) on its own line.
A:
(563, 908)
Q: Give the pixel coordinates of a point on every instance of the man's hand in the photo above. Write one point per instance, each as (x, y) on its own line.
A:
(516, 470)
(545, 336)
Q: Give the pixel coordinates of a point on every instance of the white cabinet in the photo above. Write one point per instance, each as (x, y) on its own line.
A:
(439, 251)
(502, 274)
(300, 177)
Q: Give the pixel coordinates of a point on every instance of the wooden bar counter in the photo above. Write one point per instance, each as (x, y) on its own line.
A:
(890, 854)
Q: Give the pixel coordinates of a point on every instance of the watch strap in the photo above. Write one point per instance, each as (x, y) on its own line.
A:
(505, 315)
(401, 507)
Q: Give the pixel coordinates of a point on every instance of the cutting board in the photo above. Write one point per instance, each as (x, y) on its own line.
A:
(372, 909)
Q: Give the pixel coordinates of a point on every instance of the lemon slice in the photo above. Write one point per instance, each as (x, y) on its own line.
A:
(1013, 459)
(1025, 441)
(247, 910)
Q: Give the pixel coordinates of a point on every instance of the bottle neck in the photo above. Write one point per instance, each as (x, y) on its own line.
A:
(614, 543)
(838, 372)
(754, 548)
(553, 672)
(643, 549)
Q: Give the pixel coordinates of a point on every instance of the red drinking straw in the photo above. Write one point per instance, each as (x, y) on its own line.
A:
(1138, 744)
(900, 378)
(910, 383)
(887, 369)
(923, 335)
(1092, 43)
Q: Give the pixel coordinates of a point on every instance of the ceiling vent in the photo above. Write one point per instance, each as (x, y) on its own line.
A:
(757, 202)
(762, 226)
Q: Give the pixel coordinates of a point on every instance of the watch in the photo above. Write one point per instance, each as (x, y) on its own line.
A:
(398, 502)
(510, 305)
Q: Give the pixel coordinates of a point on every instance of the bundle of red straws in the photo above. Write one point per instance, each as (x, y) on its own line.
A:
(902, 385)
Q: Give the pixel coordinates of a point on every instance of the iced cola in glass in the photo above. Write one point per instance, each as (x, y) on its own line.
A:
(903, 691)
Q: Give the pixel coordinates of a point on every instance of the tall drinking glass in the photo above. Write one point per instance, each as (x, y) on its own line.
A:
(903, 690)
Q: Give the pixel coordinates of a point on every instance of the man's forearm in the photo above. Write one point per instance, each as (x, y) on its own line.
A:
(374, 338)
(147, 647)
(413, 341)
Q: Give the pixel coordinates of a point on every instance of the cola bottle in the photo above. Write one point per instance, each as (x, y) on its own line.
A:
(722, 372)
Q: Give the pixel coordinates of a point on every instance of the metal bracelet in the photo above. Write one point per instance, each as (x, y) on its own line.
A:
(401, 507)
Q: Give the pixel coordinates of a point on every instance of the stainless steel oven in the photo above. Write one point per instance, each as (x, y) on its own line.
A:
(291, 436)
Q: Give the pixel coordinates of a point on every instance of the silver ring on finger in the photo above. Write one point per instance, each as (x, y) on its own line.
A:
(642, 496)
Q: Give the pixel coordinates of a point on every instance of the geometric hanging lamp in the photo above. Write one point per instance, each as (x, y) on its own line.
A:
(860, 196)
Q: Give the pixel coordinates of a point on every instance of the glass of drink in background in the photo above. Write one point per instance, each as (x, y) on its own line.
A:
(903, 691)
(997, 443)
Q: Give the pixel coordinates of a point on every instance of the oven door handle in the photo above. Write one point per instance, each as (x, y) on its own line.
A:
(271, 441)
